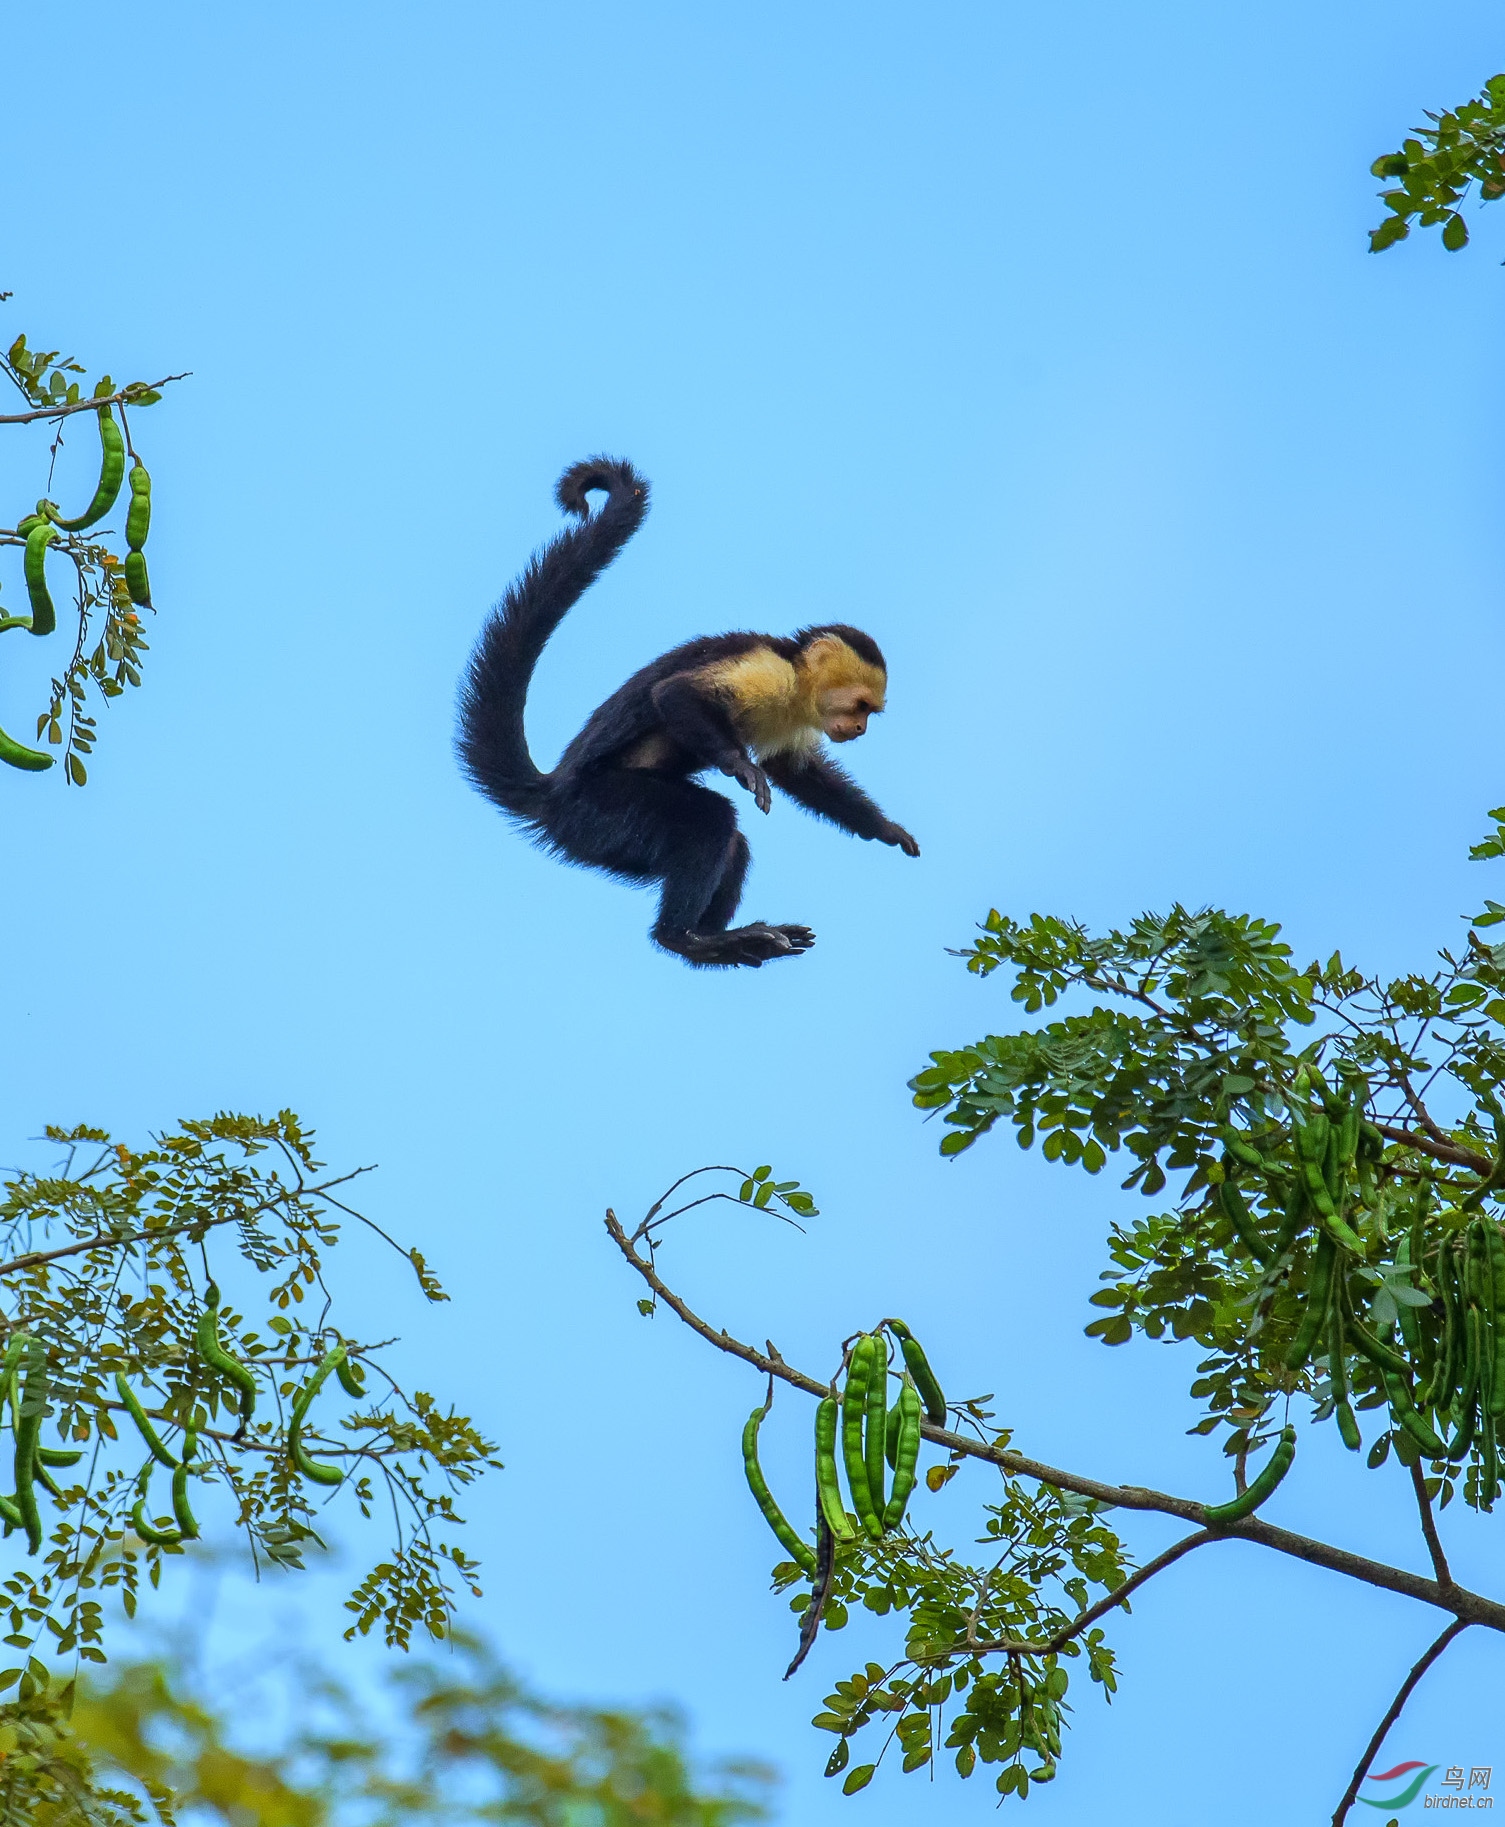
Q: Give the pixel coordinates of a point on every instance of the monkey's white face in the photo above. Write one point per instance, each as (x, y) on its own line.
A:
(844, 711)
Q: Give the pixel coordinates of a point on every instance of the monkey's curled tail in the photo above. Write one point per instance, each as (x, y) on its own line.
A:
(492, 744)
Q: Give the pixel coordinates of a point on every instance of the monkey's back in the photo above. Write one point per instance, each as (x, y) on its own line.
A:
(629, 714)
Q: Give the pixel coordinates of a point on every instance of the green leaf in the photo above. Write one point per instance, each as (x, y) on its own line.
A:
(858, 1778)
(1455, 234)
(1391, 230)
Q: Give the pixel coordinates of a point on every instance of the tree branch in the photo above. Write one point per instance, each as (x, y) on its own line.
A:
(1456, 1628)
(1429, 1527)
(1458, 1600)
(1447, 1150)
(125, 397)
(106, 1240)
(1018, 1646)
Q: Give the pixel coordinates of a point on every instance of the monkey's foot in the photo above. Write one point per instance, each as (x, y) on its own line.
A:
(754, 945)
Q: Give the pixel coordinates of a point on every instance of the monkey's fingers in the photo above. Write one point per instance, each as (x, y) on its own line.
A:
(748, 774)
(800, 937)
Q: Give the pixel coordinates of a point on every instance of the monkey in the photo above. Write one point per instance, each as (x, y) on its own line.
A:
(622, 799)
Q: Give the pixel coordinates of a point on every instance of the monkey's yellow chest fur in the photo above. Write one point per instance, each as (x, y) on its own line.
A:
(773, 707)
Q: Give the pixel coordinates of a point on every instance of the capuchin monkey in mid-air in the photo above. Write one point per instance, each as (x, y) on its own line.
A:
(755, 706)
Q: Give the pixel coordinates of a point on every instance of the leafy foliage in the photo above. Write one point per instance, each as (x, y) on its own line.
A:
(105, 1263)
(462, 1743)
(109, 641)
(1435, 168)
(1332, 1145)
(1339, 1142)
(1045, 1546)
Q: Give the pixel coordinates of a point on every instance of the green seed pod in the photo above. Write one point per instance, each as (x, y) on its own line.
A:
(137, 583)
(1403, 1408)
(1243, 1150)
(1445, 1372)
(15, 1349)
(43, 615)
(138, 517)
(111, 471)
(1410, 1326)
(1314, 1302)
(1255, 1493)
(1242, 1219)
(827, 1485)
(907, 1456)
(162, 1535)
(45, 1478)
(875, 1421)
(1489, 1470)
(1496, 1244)
(206, 1338)
(144, 1427)
(798, 1550)
(1466, 1400)
(17, 755)
(28, 1427)
(1376, 1349)
(1292, 1198)
(1348, 1139)
(891, 1436)
(188, 1529)
(853, 1413)
(1317, 1192)
(1337, 1362)
(1461, 1444)
(1482, 1281)
(1332, 1166)
(312, 1468)
(924, 1377)
(55, 1455)
(1311, 1131)
(352, 1375)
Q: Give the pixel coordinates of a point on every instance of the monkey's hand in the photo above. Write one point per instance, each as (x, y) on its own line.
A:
(747, 773)
(898, 836)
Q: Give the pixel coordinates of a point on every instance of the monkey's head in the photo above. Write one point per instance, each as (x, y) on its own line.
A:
(845, 678)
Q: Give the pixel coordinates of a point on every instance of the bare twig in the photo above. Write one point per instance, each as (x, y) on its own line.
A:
(1371, 1750)
(1429, 1527)
(1019, 1646)
(123, 398)
(1458, 1600)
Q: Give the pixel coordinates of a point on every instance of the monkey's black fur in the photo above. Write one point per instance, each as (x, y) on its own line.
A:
(642, 823)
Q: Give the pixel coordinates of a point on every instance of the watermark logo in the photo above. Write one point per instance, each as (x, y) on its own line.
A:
(1454, 1789)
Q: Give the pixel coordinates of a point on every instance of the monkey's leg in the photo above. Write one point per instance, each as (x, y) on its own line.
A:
(646, 826)
(758, 941)
(728, 896)
(694, 926)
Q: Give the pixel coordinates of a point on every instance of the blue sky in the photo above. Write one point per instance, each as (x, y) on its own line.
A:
(1041, 342)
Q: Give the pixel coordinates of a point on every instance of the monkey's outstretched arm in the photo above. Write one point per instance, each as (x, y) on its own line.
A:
(830, 792)
(702, 726)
